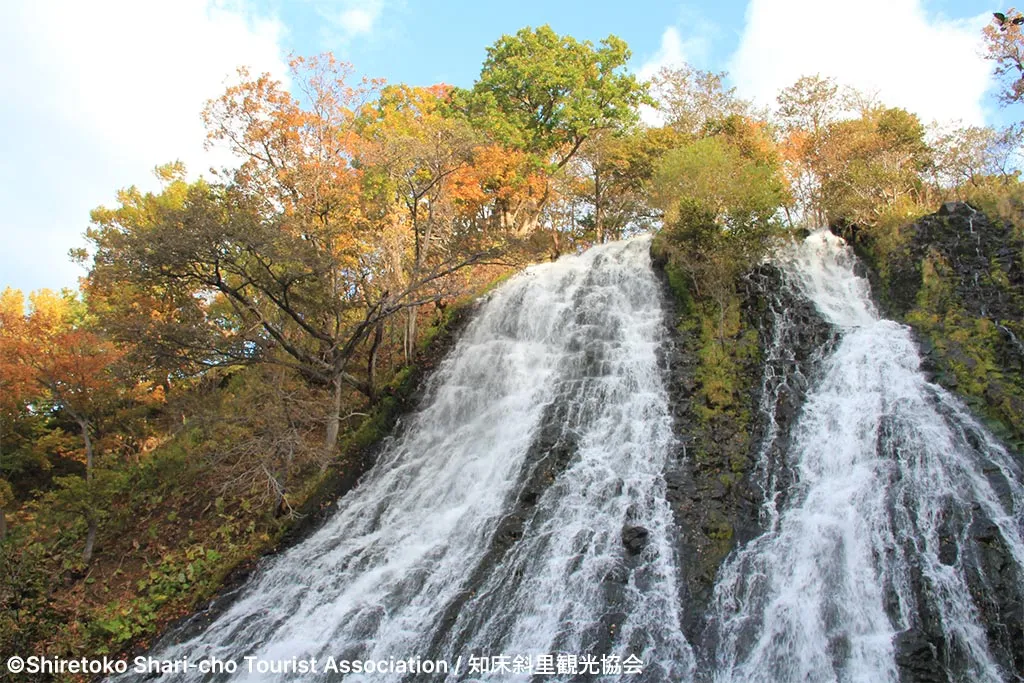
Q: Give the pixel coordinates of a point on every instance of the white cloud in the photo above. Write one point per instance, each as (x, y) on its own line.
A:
(926, 64)
(95, 96)
(671, 52)
(358, 20)
(348, 19)
(675, 50)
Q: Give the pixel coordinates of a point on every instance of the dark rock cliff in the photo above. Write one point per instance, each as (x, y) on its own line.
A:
(715, 485)
(957, 278)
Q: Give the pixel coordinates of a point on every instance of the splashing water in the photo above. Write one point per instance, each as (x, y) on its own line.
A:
(879, 538)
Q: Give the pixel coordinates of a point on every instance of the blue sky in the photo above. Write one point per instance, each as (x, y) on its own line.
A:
(96, 94)
(448, 43)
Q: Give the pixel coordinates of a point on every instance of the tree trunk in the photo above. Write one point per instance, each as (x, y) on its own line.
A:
(527, 215)
(598, 228)
(90, 516)
(90, 541)
(421, 246)
(334, 419)
(371, 363)
(410, 335)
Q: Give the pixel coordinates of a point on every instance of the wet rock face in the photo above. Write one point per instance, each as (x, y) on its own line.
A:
(1003, 614)
(918, 659)
(986, 260)
(634, 538)
(973, 246)
(794, 338)
(711, 483)
(983, 266)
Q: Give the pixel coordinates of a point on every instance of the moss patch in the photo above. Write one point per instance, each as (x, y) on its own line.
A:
(957, 277)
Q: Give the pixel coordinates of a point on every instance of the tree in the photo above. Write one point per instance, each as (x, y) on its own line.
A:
(805, 109)
(1004, 45)
(809, 104)
(296, 159)
(545, 95)
(15, 376)
(171, 332)
(974, 155)
(690, 98)
(610, 177)
(411, 139)
(253, 289)
(293, 261)
(870, 165)
(739, 193)
(719, 207)
(494, 192)
(69, 369)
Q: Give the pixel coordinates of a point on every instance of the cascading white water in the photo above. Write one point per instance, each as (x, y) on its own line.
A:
(522, 510)
(551, 591)
(876, 538)
(561, 362)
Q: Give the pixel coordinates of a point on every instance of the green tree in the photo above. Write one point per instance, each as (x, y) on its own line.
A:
(172, 332)
(251, 289)
(739, 193)
(611, 173)
(546, 93)
(719, 214)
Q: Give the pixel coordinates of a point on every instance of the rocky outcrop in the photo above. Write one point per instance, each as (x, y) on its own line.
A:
(959, 285)
(726, 460)
(957, 277)
(983, 255)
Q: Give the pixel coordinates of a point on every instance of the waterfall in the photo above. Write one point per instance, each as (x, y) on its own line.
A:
(520, 512)
(897, 493)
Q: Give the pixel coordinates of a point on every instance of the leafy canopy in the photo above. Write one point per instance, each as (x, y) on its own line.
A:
(545, 94)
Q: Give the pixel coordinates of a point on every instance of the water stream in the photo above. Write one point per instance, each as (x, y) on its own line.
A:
(879, 537)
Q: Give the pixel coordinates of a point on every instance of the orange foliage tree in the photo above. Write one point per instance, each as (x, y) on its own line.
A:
(51, 360)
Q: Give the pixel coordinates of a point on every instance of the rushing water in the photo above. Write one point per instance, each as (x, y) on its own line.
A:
(547, 423)
(522, 511)
(879, 535)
